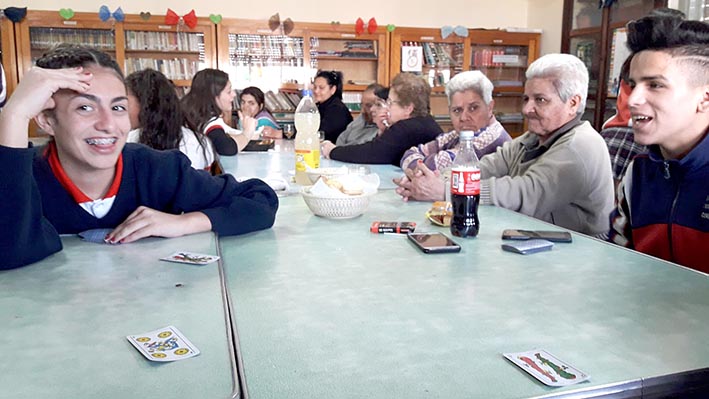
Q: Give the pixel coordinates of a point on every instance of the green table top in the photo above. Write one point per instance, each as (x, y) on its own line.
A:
(326, 309)
(64, 322)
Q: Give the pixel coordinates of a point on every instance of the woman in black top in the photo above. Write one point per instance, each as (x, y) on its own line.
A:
(334, 115)
(410, 124)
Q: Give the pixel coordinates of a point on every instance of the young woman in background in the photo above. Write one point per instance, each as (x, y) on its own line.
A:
(157, 121)
(334, 115)
(209, 98)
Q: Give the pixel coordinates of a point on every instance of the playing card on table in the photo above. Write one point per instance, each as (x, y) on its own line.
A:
(95, 235)
(191, 258)
(547, 368)
(164, 345)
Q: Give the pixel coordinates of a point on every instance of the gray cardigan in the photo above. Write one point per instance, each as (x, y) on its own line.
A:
(570, 184)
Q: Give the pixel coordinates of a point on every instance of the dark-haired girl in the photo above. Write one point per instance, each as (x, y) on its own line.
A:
(157, 119)
(209, 98)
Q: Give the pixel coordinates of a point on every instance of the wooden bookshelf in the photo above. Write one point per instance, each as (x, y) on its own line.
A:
(178, 51)
(504, 57)
(8, 54)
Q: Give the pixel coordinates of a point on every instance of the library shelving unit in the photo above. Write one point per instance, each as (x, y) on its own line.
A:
(362, 58)
(8, 53)
(178, 51)
(597, 37)
(442, 59)
(40, 30)
(504, 57)
(255, 55)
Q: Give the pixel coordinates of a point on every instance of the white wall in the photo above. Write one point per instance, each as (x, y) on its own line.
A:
(419, 13)
(547, 14)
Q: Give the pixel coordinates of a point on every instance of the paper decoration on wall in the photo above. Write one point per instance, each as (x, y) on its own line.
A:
(104, 14)
(215, 18)
(411, 58)
(459, 30)
(275, 22)
(144, 15)
(189, 19)
(14, 14)
(371, 26)
(66, 13)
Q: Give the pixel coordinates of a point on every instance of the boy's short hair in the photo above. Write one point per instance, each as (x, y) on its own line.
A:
(686, 40)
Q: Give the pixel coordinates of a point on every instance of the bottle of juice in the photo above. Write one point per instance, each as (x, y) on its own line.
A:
(307, 142)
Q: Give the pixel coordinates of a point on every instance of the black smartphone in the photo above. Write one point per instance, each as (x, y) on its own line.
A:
(553, 236)
(432, 243)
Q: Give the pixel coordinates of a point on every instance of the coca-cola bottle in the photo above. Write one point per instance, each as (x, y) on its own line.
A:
(465, 188)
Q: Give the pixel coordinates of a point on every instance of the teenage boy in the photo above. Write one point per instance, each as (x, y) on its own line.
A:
(663, 200)
(88, 178)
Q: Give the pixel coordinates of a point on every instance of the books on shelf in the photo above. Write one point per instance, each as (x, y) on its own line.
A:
(165, 41)
(44, 38)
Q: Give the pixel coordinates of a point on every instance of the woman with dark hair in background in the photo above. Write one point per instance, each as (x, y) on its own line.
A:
(209, 98)
(157, 119)
(334, 115)
(252, 103)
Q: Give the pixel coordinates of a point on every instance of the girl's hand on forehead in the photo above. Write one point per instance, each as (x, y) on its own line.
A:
(34, 93)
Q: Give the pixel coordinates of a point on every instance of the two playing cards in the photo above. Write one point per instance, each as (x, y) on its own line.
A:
(547, 368)
(164, 345)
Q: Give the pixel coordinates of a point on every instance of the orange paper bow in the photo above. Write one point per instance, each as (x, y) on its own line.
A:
(190, 19)
(371, 26)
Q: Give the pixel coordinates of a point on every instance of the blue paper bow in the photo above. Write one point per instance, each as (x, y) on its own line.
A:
(104, 14)
(14, 14)
(459, 30)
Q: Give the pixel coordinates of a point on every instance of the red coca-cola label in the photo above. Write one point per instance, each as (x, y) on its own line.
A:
(465, 181)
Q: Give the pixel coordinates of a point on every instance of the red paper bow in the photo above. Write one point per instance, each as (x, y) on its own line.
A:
(190, 19)
(371, 26)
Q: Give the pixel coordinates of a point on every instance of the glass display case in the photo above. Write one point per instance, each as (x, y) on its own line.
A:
(597, 36)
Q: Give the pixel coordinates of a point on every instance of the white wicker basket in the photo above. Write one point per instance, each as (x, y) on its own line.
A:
(336, 208)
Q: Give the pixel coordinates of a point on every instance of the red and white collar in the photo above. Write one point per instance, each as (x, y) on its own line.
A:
(99, 207)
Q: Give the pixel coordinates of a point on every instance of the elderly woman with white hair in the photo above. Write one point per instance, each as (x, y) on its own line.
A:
(558, 171)
(470, 106)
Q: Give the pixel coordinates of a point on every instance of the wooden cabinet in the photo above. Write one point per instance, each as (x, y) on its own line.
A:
(8, 54)
(40, 30)
(597, 36)
(177, 51)
(502, 56)
(255, 55)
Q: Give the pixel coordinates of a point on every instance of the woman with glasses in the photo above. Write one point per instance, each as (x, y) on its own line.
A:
(334, 115)
(410, 124)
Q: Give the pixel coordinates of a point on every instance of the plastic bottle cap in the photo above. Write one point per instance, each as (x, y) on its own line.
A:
(307, 92)
(467, 135)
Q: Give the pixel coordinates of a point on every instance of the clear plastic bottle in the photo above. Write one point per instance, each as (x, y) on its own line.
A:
(465, 188)
(307, 142)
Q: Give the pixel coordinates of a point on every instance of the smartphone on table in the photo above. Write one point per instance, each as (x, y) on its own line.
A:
(432, 243)
(553, 236)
